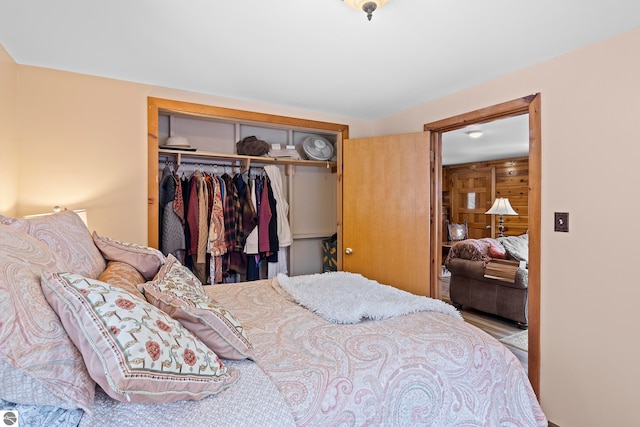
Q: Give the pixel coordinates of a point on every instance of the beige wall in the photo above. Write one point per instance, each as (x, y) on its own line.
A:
(8, 133)
(83, 142)
(590, 287)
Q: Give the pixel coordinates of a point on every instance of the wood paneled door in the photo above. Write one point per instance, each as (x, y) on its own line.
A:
(472, 192)
(386, 210)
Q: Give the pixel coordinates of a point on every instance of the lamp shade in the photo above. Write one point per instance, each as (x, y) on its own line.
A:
(501, 206)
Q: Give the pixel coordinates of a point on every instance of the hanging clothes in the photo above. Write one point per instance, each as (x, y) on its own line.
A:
(285, 238)
(251, 243)
(248, 216)
(193, 214)
(264, 218)
(178, 201)
(279, 266)
(203, 219)
(194, 207)
(178, 208)
(274, 245)
(231, 227)
(246, 221)
(227, 225)
(171, 225)
(184, 182)
(284, 230)
(217, 245)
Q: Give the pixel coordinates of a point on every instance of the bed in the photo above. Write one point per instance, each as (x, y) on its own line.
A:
(321, 351)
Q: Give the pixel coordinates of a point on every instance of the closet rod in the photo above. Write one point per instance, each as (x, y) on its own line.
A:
(222, 165)
(169, 160)
(243, 168)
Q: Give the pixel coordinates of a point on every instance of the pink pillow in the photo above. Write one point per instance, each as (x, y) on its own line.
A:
(210, 322)
(143, 258)
(39, 364)
(134, 351)
(66, 234)
(497, 251)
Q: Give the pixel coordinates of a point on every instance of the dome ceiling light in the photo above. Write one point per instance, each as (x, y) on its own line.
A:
(474, 132)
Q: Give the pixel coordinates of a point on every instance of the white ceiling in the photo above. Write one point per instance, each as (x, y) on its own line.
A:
(501, 139)
(318, 55)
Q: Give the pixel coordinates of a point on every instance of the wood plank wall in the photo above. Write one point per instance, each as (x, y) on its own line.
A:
(512, 182)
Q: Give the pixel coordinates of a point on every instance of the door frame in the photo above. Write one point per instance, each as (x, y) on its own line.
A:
(526, 105)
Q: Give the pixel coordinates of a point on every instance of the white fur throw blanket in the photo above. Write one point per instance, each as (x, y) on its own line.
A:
(342, 297)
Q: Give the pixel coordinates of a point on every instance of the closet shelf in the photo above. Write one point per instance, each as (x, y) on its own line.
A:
(246, 160)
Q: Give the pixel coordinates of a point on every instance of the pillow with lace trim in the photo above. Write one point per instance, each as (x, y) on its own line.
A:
(216, 326)
(134, 351)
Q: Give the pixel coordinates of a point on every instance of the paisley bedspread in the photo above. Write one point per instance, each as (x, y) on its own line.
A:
(419, 369)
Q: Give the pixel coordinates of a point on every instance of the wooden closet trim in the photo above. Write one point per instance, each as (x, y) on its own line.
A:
(161, 105)
(526, 105)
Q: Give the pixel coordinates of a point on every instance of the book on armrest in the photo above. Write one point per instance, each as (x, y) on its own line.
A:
(502, 269)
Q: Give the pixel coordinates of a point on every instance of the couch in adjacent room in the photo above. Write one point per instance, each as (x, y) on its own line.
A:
(474, 285)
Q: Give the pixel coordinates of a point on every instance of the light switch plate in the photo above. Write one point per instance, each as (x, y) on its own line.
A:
(562, 222)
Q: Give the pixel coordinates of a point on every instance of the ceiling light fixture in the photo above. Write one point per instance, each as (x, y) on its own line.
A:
(475, 132)
(367, 6)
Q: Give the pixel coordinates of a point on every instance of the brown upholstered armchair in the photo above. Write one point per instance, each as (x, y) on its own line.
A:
(473, 285)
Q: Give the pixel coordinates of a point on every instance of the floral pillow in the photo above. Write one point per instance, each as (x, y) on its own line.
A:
(39, 364)
(66, 234)
(176, 279)
(123, 276)
(143, 258)
(211, 322)
(134, 351)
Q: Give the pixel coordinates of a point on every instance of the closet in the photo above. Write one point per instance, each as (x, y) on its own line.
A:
(310, 187)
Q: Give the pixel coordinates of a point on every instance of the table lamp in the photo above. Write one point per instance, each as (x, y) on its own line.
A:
(501, 207)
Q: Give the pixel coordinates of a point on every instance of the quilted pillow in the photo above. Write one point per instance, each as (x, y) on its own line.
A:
(211, 322)
(145, 259)
(39, 365)
(66, 234)
(124, 276)
(175, 278)
(134, 351)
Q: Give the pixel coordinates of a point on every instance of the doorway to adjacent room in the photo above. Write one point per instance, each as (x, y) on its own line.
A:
(529, 105)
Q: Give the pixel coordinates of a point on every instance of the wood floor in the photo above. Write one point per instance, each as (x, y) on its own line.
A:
(493, 325)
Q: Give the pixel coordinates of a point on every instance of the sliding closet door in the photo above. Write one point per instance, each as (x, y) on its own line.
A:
(386, 210)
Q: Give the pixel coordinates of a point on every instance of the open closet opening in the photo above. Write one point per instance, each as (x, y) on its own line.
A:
(217, 154)
(528, 107)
